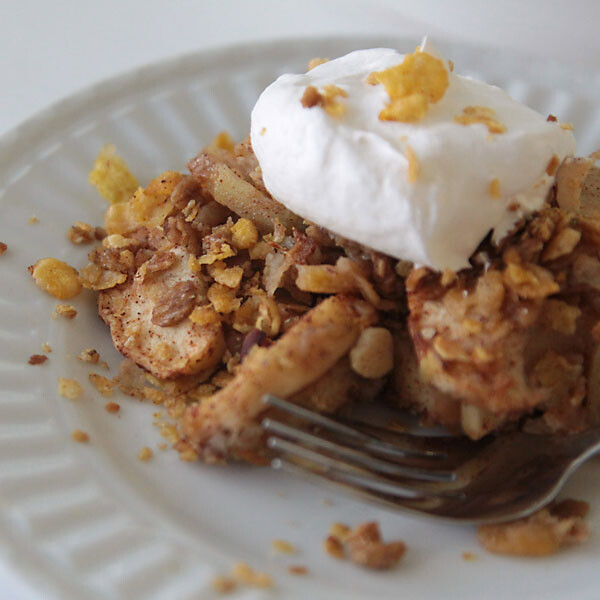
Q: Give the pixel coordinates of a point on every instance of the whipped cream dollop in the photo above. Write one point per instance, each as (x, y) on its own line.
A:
(427, 190)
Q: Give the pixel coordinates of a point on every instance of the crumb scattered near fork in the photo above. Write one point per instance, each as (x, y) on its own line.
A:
(298, 570)
(69, 388)
(33, 220)
(145, 454)
(103, 384)
(544, 533)
(89, 355)
(223, 584)
(469, 556)
(364, 546)
(284, 547)
(112, 407)
(64, 310)
(80, 436)
(37, 359)
(243, 573)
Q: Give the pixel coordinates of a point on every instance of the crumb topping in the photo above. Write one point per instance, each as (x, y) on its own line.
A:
(81, 233)
(325, 99)
(104, 385)
(480, 114)
(145, 454)
(64, 310)
(495, 188)
(112, 407)
(37, 359)
(69, 388)
(80, 436)
(3, 248)
(542, 534)
(111, 176)
(89, 355)
(419, 81)
(56, 277)
(284, 547)
(315, 62)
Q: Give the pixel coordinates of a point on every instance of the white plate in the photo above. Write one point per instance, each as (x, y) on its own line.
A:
(92, 521)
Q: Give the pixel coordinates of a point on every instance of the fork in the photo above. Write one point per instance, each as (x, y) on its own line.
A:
(500, 478)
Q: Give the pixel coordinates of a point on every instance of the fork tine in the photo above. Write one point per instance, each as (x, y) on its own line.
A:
(357, 438)
(306, 462)
(350, 456)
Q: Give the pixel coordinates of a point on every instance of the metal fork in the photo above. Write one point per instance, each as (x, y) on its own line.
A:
(500, 478)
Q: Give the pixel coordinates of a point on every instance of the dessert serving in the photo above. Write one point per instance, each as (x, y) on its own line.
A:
(389, 230)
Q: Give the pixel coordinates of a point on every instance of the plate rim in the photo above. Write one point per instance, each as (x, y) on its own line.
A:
(37, 125)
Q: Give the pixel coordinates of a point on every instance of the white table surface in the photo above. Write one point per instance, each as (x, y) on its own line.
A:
(51, 48)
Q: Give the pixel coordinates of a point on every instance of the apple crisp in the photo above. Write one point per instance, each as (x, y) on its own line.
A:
(222, 295)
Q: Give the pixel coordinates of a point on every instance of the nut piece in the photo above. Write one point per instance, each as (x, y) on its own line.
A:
(37, 359)
(175, 305)
(366, 548)
(373, 354)
(541, 534)
(69, 388)
(56, 277)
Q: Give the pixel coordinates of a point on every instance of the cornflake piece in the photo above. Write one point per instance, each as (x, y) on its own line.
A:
(315, 62)
(223, 584)
(64, 310)
(495, 188)
(543, 533)
(56, 277)
(37, 359)
(325, 99)
(69, 388)
(413, 165)
(80, 436)
(3, 248)
(420, 80)
(89, 355)
(112, 407)
(339, 530)
(224, 141)
(284, 547)
(205, 315)
(245, 574)
(111, 176)
(145, 454)
(228, 276)
(244, 234)
(223, 298)
(102, 384)
(80, 233)
(480, 114)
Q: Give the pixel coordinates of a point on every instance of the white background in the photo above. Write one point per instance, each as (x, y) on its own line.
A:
(51, 48)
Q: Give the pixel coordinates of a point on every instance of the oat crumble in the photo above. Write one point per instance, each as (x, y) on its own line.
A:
(64, 310)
